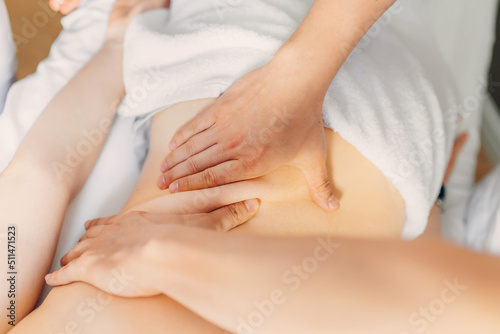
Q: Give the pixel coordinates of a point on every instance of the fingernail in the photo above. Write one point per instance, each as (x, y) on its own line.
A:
(172, 145)
(333, 203)
(47, 277)
(161, 182)
(87, 223)
(164, 167)
(252, 205)
(174, 187)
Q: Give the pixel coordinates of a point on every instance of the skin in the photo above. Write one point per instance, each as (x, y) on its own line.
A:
(276, 216)
(30, 177)
(398, 278)
(218, 146)
(286, 209)
(39, 173)
(148, 313)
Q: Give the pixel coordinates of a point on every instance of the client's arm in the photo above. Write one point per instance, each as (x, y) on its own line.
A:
(273, 115)
(255, 284)
(50, 166)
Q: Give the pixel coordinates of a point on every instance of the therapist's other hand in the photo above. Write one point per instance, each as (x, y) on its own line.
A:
(112, 254)
(267, 119)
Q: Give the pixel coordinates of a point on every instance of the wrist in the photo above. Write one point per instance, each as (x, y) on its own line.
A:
(113, 45)
(308, 65)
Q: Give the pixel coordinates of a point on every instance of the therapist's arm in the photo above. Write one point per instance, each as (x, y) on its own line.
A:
(323, 285)
(273, 115)
(256, 284)
(328, 35)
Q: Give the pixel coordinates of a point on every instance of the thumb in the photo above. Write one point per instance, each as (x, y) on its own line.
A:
(321, 186)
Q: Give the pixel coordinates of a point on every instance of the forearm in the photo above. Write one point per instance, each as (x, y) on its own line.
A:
(50, 166)
(327, 36)
(358, 285)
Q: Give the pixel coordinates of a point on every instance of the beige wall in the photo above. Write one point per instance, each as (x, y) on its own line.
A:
(34, 27)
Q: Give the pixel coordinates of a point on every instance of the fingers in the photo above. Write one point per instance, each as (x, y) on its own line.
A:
(73, 272)
(75, 252)
(224, 173)
(231, 216)
(321, 187)
(93, 232)
(197, 144)
(99, 221)
(206, 159)
(200, 123)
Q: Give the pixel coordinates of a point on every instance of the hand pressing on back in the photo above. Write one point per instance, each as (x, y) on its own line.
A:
(267, 119)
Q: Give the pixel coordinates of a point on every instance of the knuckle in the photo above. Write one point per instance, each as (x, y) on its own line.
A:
(190, 147)
(234, 214)
(252, 162)
(209, 177)
(114, 219)
(169, 159)
(193, 165)
(324, 184)
(233, 144)
(220, 227)
(193, 126)
(93, 230)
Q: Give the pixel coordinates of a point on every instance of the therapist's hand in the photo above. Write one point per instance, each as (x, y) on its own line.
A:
(267, 119)
(112, 255)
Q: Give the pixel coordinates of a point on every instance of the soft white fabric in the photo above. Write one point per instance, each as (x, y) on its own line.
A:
(483, 216)
(7, 55)
(465, 31)
(117, 170)
(388, 100)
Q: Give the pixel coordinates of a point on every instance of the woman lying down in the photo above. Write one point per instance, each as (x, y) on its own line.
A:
(386, 140)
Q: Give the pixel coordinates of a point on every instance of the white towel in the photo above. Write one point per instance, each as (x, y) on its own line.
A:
(391, 100)
(482, 218)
